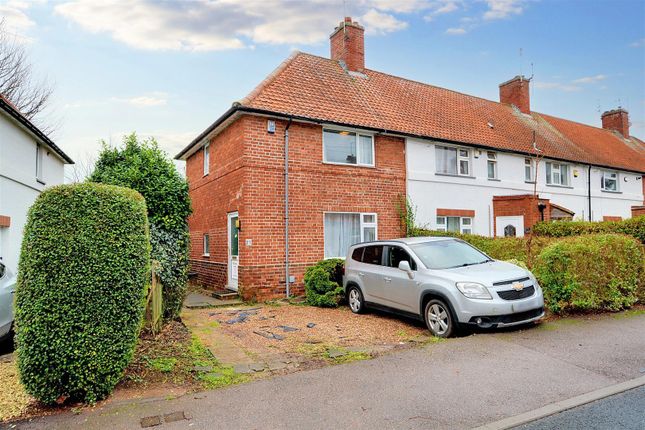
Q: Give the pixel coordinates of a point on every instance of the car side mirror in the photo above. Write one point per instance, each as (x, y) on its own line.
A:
(405, 266)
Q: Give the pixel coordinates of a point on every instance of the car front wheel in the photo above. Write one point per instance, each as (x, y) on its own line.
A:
(439, 319)
(355, 300)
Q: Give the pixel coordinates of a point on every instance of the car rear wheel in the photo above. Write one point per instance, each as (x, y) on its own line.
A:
(439, 319)
(355, 300)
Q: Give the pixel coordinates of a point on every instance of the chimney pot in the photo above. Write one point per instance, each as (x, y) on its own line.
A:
(347, 44)
(516, 92)
(617, 120)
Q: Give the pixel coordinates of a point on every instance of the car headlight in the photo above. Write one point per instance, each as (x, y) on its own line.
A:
(473, 290)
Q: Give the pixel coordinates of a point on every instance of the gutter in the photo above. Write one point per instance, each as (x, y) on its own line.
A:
(237, 107)
(589, 189)
(287, 278)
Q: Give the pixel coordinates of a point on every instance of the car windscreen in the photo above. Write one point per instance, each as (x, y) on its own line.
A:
(446, 254)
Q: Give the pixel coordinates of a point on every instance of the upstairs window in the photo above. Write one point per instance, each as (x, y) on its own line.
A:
(492, 164)
(39, 163)
(529, 170)
(206, 159)
(557, 174)
(347, 147)
(453, 161)
(610, 181)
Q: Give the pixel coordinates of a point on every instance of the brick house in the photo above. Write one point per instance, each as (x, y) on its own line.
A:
(321, 153)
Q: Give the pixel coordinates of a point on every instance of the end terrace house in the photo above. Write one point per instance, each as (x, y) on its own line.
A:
(29, 161)
(319, 155)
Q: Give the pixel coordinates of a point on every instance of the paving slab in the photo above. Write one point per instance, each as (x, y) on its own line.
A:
(200, 301)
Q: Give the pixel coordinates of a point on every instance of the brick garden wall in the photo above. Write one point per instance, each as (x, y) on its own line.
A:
(525, 205)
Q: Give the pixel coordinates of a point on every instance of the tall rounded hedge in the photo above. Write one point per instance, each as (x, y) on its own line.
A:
(143, 166)
(632, 226)
(80, 297)
(592, 272)
(323, 283)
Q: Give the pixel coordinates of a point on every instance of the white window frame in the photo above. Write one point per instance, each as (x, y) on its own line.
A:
(207, 161)
(363, 226)
(550, 165)
(206, 244)
(462, 227)
(356, 133)
(531, 166)
(39, 163)
(491, 158)
(467, 159)
(605, 178)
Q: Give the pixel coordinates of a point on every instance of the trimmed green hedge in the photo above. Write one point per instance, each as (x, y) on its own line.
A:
(499, 248)
(591, 273)
(81, 290)
(633, 226)
(323, 283)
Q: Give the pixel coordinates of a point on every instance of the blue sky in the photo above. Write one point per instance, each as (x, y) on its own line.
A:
(170, 69)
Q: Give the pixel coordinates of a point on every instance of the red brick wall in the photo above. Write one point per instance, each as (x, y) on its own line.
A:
(618, 120)
(456, 212)
(247, 175)
(347, 43)
(638, 211)
(612, 218)
(525, 205)
(516, 92)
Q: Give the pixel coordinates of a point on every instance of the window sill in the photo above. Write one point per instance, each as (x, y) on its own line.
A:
(454, 176)
(495, 179)
(40, 181)
(369, 166)
(529, 182)
(204, 175)
(559, 186)
(206, 255)
(611, 191)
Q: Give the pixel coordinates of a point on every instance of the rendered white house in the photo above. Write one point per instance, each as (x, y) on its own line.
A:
(29, 161)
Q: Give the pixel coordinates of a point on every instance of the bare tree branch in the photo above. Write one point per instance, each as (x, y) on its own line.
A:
(17, 82)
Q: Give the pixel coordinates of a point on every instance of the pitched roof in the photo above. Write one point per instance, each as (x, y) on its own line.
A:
(317, 88)
(13, 111)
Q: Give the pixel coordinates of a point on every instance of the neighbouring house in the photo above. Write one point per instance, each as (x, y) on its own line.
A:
(321, 153)
(29, 161)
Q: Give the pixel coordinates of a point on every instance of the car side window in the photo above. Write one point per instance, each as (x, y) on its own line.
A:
(373, 254)
(397, 254)
(357, 255)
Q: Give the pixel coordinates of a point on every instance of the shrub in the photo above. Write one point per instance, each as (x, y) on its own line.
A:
(144, 167)
(499, 248)
(591, 273)
(633, 226)
(323, 283)
(81, 289)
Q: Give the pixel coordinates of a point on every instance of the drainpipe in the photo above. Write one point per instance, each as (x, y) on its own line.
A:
(286, 207)
(589, 190)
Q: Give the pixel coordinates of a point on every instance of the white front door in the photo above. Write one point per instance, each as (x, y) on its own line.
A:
(233, 250)
(512, 226)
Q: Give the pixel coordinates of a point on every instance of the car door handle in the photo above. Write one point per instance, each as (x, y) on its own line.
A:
(387, 279)
(361, 274)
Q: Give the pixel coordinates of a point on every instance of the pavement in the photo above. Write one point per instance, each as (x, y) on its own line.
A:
(455, 384)
(625, 411)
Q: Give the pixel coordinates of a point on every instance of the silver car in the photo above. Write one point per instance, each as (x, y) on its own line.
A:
(443, 281)
(7, 289)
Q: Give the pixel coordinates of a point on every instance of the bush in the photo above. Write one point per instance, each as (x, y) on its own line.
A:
(81, 289)
(499, 248)
(144, 167)
(323, 283)
(633, 226)
(591, 273)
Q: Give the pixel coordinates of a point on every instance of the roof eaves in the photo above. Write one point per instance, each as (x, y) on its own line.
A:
(10, 109)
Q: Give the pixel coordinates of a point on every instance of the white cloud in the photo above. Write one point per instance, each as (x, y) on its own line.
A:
(456, 31)
(381, 23)
(638, 44)
(441, 8)
(155, 99)
(590, 79)
(556, 86)
(500, 9)
(14, 16)
(206, 25)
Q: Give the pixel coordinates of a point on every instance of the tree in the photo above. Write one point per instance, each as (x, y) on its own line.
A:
(142, 166)
(17, 81)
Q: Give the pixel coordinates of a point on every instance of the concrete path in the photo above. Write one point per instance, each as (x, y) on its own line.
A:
(459, 383)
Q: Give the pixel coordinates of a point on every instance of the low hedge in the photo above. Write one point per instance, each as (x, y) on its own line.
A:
(81, 289)
(633, 227)
(499, 248)
(593, 272)
(323, 283)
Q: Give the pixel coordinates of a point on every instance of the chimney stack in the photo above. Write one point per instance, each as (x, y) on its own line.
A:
(348, 45)
(618, 120)
(516, 92)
